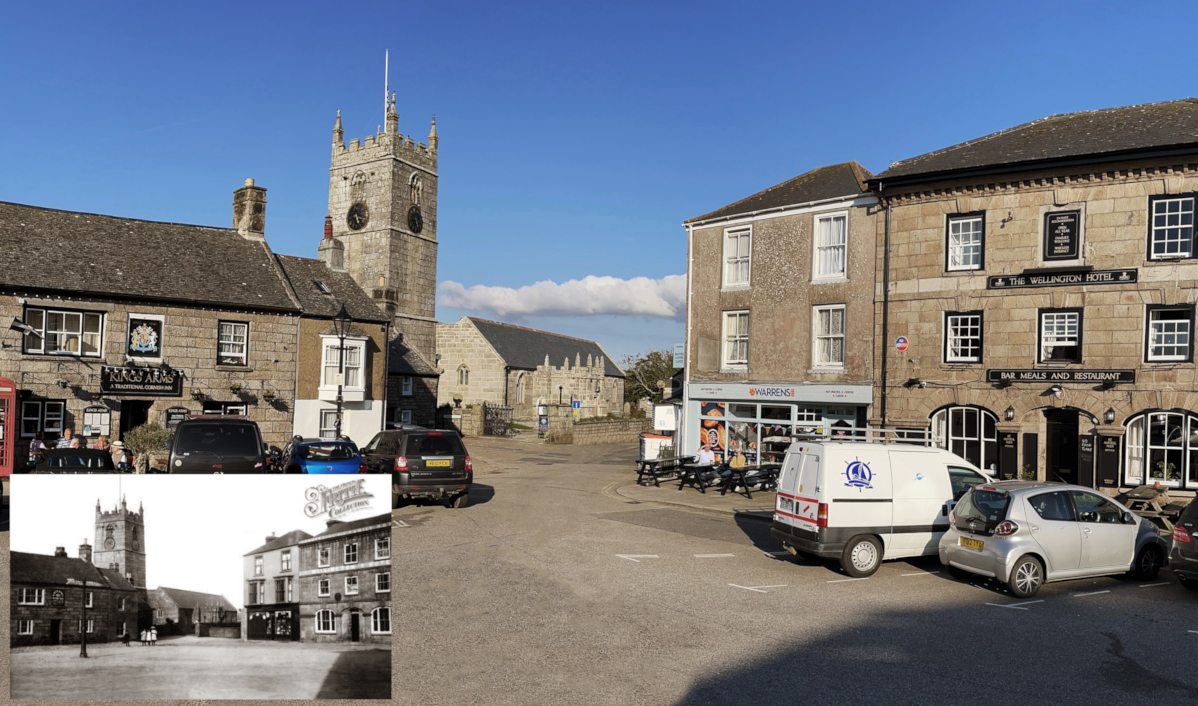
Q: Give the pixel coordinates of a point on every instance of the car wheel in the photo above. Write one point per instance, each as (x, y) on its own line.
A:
(1027, 576)
(461, 500)
(1148, 563)
(1189, 583)
(862, 556)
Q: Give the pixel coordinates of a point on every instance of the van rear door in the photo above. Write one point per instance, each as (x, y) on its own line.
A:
(797, 504)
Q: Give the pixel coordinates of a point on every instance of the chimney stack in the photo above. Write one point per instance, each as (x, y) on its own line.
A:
(271, 538)
(249, 209)
(85, 551)
(331, 251)
(60, 551)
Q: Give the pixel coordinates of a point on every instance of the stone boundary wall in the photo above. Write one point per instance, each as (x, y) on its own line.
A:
(227, 631)
(610, 431)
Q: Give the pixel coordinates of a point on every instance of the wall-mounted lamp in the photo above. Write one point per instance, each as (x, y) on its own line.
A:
(1056, 390)
(916, 382)
(1009, 414)
(1109, 416)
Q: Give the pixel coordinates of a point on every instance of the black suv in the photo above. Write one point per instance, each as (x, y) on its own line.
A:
(1183, 559)
(218, 444)
(424, 463)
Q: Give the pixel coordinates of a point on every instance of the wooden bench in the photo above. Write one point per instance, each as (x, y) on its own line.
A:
(656, 469)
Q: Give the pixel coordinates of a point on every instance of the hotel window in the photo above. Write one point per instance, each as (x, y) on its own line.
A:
(963, 337)
(380, 621)
(1171, 231)
(1159, 448)
(352, 364)
(24, 627)
(737, 254)
(831, 246)
(280, 590)
(382, 582)
(828, 342)
(324, 621)
(351, 585)
(323, 588)
(1169, 334)
(1060, 335)
(63, 332)
(257, 566)
(736, 339)
(965, 235)
(322, 557)
(969, 432)
(382, 548)
(351, 553)
(233, 343)
(285, 560)
(31, 596)
(90, 599)
(406, 389)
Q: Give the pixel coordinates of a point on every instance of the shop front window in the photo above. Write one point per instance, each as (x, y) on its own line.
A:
(969, 432)
(1157, 449)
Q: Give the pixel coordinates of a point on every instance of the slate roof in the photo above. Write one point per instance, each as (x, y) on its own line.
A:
(833, 181)
(290, 539)
(303, 274)
(340, 527)
(195, 599)
(86, 253)
(55, 570)
(1109, 131)
(526, 348)
(402, 360)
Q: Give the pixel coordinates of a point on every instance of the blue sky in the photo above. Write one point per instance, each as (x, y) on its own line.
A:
(574, 138)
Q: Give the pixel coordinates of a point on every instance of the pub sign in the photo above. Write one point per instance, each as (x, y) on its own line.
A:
(1062, 235)
(58, 598)
(144, 382)
(145, 338)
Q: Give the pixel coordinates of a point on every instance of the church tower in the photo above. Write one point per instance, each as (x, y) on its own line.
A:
(120, 540)
(383, 206)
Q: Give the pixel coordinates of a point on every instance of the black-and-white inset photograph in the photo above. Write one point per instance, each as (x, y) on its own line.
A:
(200, 587)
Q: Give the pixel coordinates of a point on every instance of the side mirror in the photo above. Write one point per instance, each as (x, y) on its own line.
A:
(1128, 518)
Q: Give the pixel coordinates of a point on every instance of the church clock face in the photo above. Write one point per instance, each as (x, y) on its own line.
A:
(358, 216)
(109, 543)
(415, 220)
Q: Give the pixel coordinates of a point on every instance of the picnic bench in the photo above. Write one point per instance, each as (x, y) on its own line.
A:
(1154, 504)
(765, 477)
(655, 469)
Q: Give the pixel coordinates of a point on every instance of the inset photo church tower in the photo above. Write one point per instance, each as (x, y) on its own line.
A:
(120, 540)
(383, 207)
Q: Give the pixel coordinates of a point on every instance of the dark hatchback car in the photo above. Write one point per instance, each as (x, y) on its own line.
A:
(75, 461)
(424, 463)
(218, 444)
(1183, 558)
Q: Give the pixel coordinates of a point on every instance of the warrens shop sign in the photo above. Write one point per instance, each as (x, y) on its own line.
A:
(145, 382)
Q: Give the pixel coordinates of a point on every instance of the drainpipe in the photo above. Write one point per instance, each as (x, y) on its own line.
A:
(885, 305)
(507, 370)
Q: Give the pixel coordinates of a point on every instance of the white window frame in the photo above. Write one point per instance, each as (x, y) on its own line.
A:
(261, 585)
(345, 553)
(329, 364)
(222, 340)
(374, 620)
(36, 417)
(379, 587)
(324, 557)
(285, 560)
(406, 386)
(259, 566)
(91, 597)
(405, 416)
(817, 338)
(323, 587)
(1064, 340)
(1183, 339)
(351, 585)
(950, 247)
(43, 332)
(382, 542)
(52, 421)
(39, 596)
(735, 261)
(819, 249)
(332, 629)
(328, 424)
(726, 362)
(24, 627)
(949, 434)
(121, 604)
(1153, 228)
(91, 625)
(952, 337)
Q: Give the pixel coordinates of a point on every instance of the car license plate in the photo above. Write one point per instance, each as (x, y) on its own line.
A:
(972, 543)
(437, 463)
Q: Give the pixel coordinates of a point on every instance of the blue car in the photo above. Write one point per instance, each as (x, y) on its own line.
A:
(321, 456)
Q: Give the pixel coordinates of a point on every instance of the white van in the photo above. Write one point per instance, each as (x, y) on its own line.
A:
(863, 501)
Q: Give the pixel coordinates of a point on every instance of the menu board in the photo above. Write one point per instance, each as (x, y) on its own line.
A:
(1062, 235)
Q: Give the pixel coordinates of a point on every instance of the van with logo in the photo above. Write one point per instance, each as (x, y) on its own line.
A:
(869, 497)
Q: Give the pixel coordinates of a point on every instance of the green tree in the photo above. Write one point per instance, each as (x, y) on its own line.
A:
(145, 440)
(644, 371)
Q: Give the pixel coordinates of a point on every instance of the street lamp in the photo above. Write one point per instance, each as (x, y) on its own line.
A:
(83, 624)
(1109, 415)
(341, 324)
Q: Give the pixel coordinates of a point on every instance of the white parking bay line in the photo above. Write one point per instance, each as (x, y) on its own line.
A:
(843, 580)
(921, 573)
(1016, 606)
(758, 589)
(1193, 631)
(1150, 585)
(776, 553)
(711, 556)
(399, 523)
(637, 557)
(1091, 593)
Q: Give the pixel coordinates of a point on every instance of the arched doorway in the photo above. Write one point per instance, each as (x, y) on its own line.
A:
(970, 432)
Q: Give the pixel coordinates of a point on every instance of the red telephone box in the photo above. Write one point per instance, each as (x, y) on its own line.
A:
(8, 423)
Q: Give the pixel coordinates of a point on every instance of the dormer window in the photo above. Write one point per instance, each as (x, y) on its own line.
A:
(323, 288)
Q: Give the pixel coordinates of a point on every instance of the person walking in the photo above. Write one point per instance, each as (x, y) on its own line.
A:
(153, 636)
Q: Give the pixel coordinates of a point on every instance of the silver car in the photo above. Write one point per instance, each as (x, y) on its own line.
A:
(1027, 533)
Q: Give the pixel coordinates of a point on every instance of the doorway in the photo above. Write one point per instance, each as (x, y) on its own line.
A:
(355, 633)
(134, 413)
(55, 631)
(1060, 445)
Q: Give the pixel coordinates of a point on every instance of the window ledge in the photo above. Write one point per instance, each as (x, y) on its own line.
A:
(959, 364)
(826, 371)
(963, 273)
(329, 394)
(736, 287)
(234, 369)
(733, 371)
(829, 280)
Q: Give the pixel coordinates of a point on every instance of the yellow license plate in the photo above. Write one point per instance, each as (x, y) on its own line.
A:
(438, 463)
(972, 543)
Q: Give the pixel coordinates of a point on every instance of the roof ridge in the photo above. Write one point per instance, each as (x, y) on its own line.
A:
(779, 186)
(534, 330)
(121, 218)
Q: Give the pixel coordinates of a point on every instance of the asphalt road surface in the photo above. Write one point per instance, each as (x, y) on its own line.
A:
(552, 588)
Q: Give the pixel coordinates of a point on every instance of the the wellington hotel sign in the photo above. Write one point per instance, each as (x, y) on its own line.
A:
(1062, 279)
(136, 381)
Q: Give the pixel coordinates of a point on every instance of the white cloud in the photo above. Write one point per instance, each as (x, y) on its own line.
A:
(591, 295)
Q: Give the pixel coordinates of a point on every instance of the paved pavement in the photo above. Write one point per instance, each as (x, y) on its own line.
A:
(560, 584)
(201, 668)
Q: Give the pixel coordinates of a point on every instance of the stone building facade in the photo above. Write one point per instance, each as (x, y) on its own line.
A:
(487, 361)
(780, 313)
(177, 611)
(48, 595)
(120, 542)
(412, 385)
(345, 582)
(272, 589)
(1044, 277)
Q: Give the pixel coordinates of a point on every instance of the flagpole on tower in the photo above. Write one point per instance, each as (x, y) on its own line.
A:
(386, 84)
